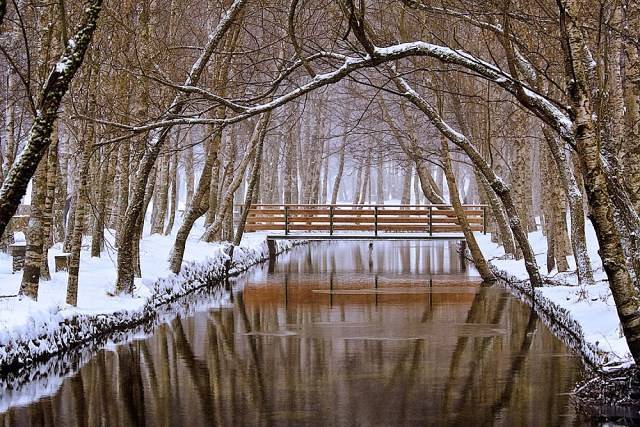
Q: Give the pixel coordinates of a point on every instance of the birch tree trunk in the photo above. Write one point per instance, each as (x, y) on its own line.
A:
(325, 180)
(124, 162)
(259, 133)
(60, 208)
(290, 172)
(380, 181)
(624, 292)
(406, 185)
(339, 172)
(631, 149)
(47, 217)
(34, 234)
(100, 214)
(173, 192)
(416, 188)
(188, 173)
(197, 208)
(162, 192)
(358, 185)
(125, 278)
(574, 196)
(54, 89)
(476, 253)
(251, 189)
(365, 181)
(78, 223)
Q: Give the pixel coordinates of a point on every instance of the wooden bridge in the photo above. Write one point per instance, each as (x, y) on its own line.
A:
(362, 222)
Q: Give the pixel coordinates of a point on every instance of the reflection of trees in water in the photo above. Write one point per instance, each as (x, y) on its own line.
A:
(229, 367)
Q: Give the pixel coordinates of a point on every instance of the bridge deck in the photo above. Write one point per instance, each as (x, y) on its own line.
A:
(353, 222)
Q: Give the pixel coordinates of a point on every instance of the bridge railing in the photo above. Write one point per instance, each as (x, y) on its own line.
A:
(425, 219)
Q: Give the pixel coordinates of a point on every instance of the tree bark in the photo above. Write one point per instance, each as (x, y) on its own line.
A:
(576, 208)
(78, 226)
(100, 213)
(338, 179)
(498, 185)
(34, 235)
(259, 133)
(163, 194)
(173, 192)
(380, 181)
(125, 278)
(255, 173)
(406, 184)
(53, 91)
(623, 290)
(47, 214)
(476, 253)
(198, 207)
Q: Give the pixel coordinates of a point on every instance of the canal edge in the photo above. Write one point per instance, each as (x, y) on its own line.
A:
(23, 353)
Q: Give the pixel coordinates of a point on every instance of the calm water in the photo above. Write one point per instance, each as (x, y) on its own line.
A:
(333, 334)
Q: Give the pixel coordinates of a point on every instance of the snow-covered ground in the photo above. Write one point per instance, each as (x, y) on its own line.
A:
(591, 307)
(33, 329)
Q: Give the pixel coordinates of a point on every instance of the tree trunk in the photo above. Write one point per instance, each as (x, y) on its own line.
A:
(173, 200)
(33, 257)
(290, 178)
(406, 184)
(162, 192)
(365, 181)
(188, 172)
(325, 180)
(576, 208)
(100, 213)
(339, 172)
(255, 173)
(52, 179)
(259, 133)
(198, 207)
(124, 163)
(623, 290)
(476, 253)
(54, 89)
(380, 181)
(78, 223)
(358, 185)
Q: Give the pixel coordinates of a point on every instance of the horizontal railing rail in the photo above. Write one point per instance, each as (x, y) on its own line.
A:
(329, 218)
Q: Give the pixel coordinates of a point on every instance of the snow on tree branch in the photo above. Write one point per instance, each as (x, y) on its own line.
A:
(55, 87)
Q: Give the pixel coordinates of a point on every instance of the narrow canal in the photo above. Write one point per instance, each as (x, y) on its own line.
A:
(402, 333)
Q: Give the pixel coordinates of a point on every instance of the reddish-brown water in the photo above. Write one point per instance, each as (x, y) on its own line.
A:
(333, 334)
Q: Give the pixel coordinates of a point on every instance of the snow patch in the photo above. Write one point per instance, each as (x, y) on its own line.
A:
(585, 316)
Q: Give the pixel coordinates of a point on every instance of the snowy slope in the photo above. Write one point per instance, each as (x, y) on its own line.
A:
(32, 330)
(592, 308)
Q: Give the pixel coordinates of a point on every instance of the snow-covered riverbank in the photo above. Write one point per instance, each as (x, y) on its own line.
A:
(32, 330)
(587, 312)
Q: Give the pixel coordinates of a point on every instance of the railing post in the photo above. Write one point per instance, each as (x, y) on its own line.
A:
(331, 220)
(484, 219)
(375, 214)
(430, 220)
(286, 220)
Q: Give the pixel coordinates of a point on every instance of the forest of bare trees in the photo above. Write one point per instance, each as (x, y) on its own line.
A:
(132, 118)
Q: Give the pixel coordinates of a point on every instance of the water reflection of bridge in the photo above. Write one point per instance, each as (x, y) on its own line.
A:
(360, 289)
